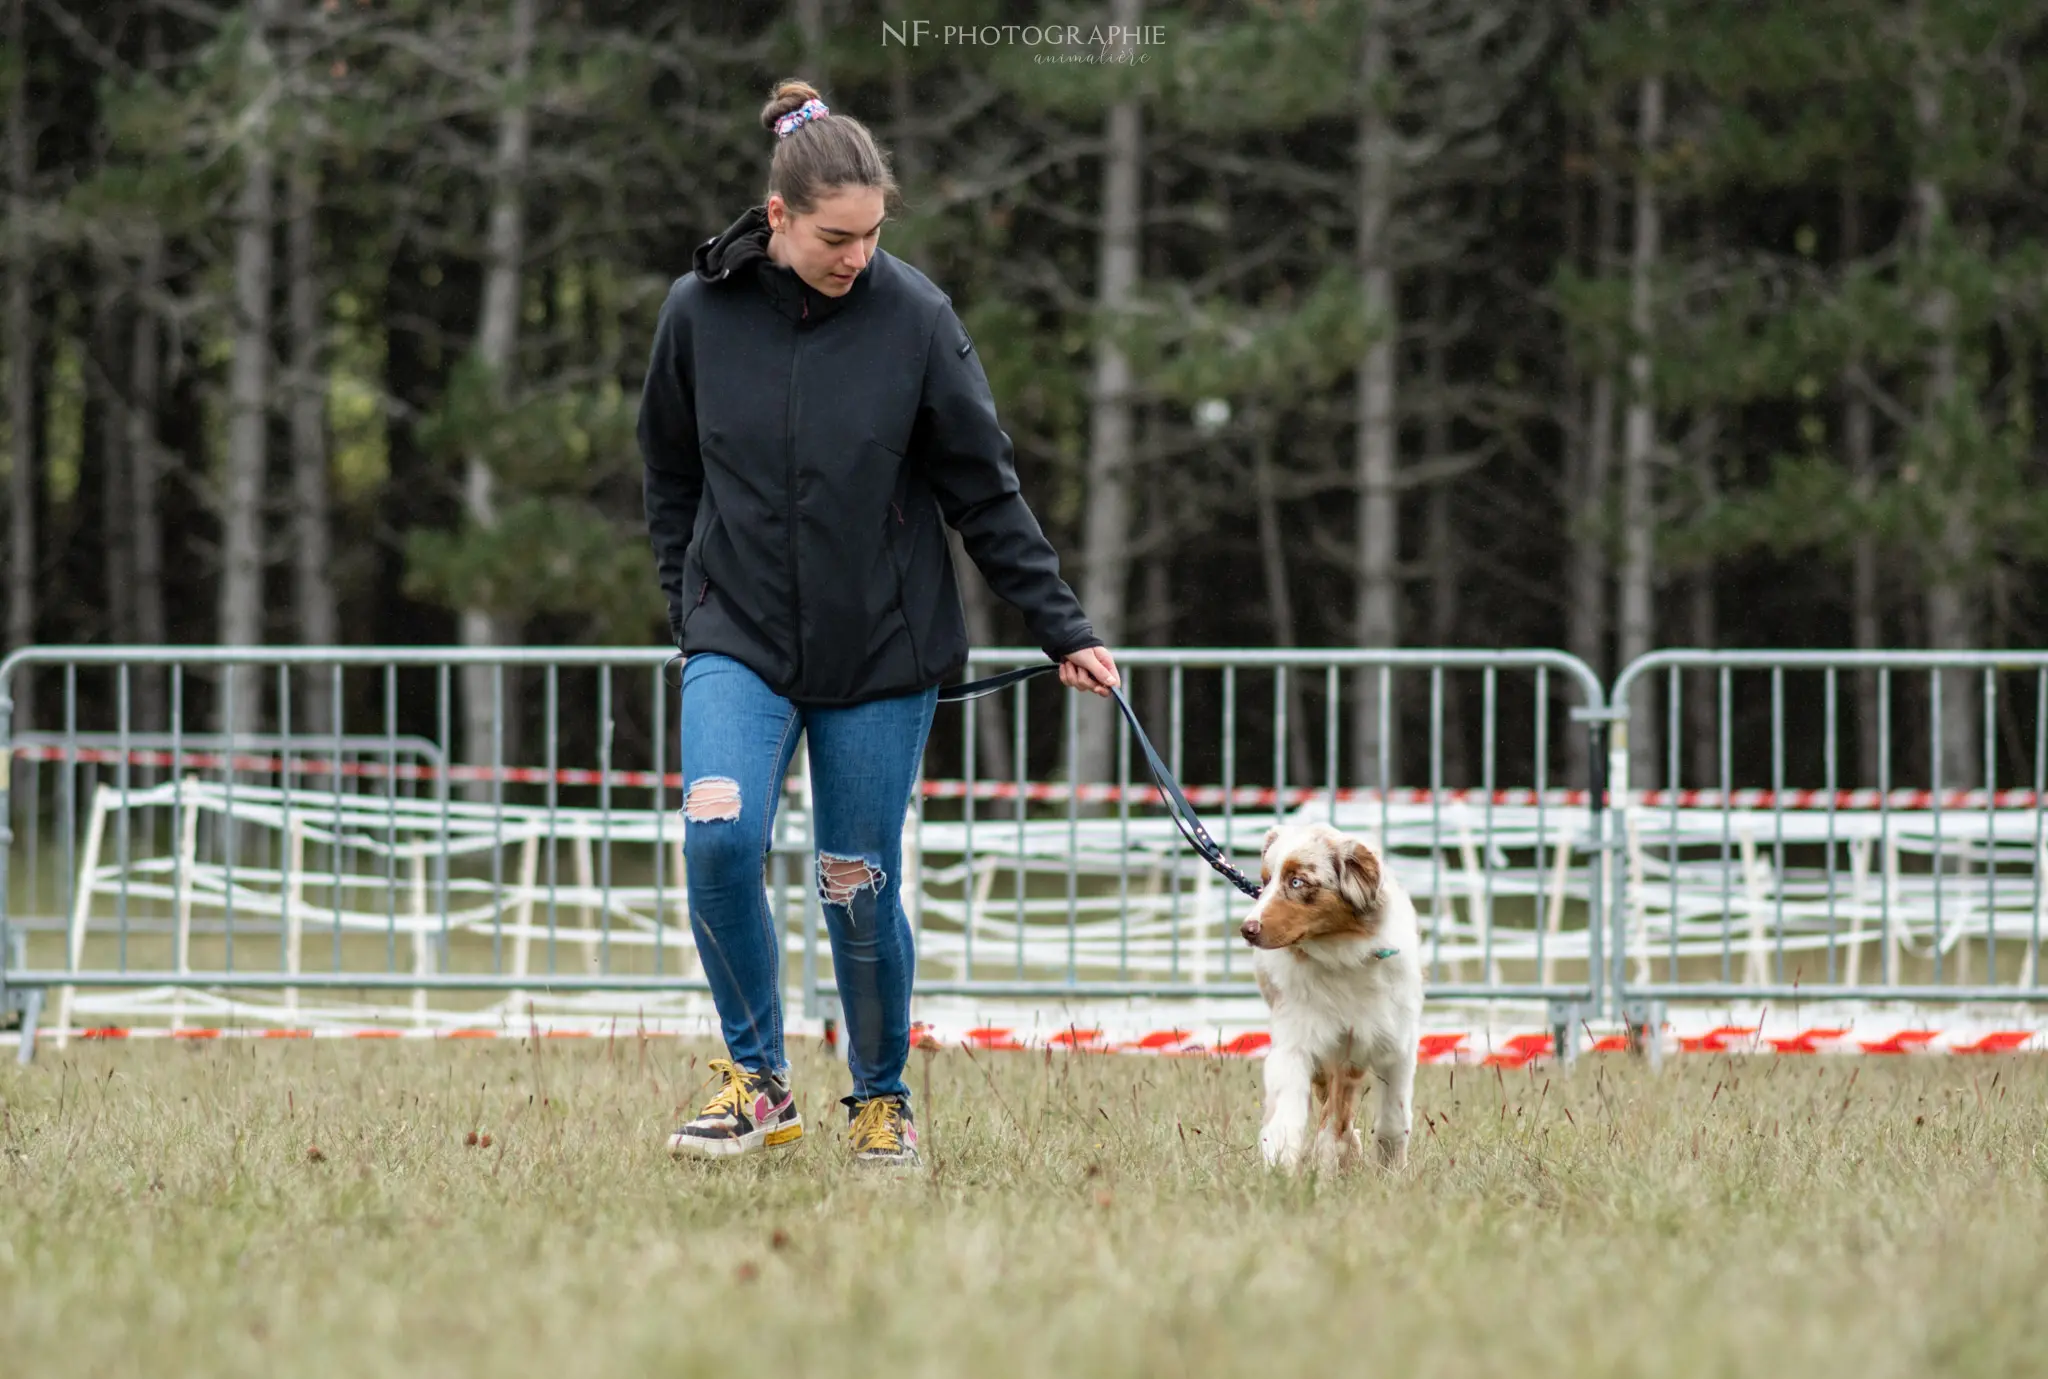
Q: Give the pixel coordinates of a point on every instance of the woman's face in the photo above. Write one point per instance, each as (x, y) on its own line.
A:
(833, 243)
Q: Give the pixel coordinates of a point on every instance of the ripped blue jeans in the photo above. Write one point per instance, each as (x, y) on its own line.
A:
(738, 738)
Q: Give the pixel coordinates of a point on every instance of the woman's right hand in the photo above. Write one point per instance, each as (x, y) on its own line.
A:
(1091, 668)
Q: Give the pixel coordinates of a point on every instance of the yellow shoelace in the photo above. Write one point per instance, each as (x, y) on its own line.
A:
(732, 1098)
(875, 1126)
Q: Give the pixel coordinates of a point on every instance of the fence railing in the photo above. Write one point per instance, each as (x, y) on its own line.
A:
(302, 835)
(445, 838)
(1832, 826)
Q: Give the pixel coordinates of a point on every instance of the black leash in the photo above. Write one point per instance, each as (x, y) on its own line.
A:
(1184, 817)
(1176, 801)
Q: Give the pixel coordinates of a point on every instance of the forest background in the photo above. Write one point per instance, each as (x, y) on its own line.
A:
(1316, 323)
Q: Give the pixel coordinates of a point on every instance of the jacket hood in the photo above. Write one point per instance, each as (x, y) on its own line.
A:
(744, 242)
(742, 250)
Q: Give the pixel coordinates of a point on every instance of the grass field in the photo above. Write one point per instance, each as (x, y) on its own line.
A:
(238, 1208)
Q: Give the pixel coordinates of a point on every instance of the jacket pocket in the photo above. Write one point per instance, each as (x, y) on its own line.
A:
(900, 546)
(696, 589)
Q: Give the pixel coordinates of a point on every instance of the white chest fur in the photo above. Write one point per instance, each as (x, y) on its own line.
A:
(1342, 1005)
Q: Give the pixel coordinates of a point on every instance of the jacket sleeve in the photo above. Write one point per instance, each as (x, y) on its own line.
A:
(968, 458)
(673, 482)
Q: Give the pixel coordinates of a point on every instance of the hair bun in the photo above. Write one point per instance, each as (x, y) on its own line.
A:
(788, 98)
(818, 150)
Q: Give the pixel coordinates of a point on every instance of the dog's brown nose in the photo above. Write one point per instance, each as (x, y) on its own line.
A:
(1251, 931)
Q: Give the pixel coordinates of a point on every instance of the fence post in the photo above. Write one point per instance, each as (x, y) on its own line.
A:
(1612, 874)
(7, 949)
(1643, 1021)
(1595, 719)
(24, 1007)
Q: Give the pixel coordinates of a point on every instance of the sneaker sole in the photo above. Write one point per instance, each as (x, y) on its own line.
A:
(753, 1142)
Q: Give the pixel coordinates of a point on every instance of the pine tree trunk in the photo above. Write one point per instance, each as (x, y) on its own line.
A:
(1442, 538)
(1951, 616)
(1589, 470)
(1702, 695)
(1106, 530)
(145, 468)
(21, 386)
(908, 146)
(1158, 613)
(1378, 551)
(1639, 439)
(1279, 597)
(116, 544)
(811, 27)
(497, 339)
(249, 386)
(1588, 623)
(313, 594)
(1866, 628)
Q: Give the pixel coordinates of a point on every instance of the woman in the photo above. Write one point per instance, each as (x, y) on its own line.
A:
(813, 409)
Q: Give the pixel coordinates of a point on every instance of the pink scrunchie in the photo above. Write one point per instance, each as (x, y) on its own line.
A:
(796, 119)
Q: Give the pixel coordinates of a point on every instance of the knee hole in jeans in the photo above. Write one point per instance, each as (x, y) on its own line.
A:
(840, 879)
(712, 799)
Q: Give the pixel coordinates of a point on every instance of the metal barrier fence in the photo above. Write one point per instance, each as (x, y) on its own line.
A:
(1822, 826)
(484, 835)
(1832, 826)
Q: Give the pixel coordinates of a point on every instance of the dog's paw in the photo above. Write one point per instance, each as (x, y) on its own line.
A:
(1329, 1152)
(1283, 1148)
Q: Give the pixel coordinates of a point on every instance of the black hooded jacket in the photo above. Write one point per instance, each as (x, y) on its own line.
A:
(801, 452)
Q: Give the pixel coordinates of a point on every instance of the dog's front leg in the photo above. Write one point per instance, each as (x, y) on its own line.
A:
(1284, 1133)
(1394, 1070)
(1340, 1145)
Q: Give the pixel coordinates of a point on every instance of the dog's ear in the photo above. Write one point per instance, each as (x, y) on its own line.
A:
(1266, 845)
(1358, 875)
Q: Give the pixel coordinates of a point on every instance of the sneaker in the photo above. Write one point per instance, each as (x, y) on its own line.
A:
(882, 1131)
(753, 1111)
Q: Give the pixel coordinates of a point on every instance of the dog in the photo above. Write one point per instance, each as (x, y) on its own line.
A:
(1336, 955)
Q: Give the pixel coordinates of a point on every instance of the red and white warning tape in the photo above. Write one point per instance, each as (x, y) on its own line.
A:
(1521, 1049)
(1057, 792)
(1268, 796)
(1435, 1048)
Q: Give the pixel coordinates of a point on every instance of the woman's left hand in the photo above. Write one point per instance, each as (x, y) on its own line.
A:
(1091, 668)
